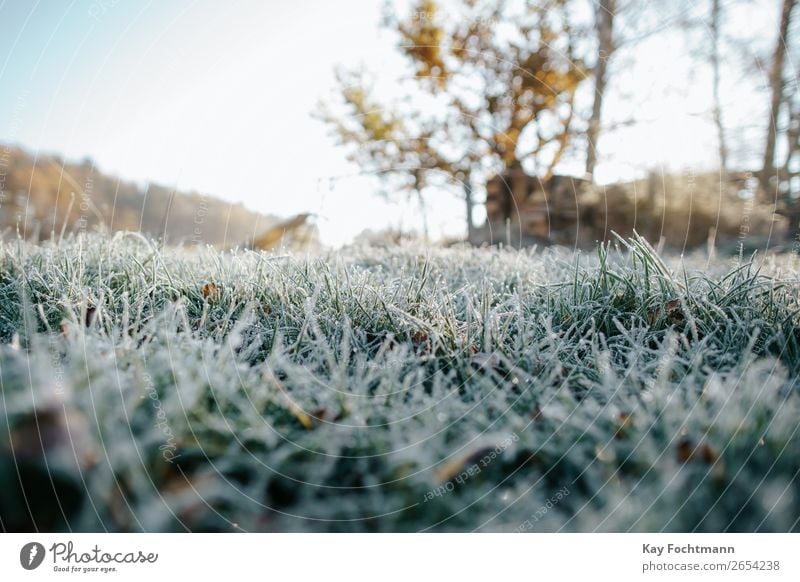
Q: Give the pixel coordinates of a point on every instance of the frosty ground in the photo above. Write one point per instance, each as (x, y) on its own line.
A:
(403, 389)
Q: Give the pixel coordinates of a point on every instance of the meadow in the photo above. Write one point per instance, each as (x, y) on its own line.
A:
(147, 388)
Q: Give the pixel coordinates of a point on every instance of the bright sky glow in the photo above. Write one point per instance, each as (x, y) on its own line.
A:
(217, 96)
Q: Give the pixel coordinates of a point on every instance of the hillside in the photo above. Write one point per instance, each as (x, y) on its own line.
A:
(45, 196)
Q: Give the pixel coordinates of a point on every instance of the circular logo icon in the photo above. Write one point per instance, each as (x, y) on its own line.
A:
(31, 555)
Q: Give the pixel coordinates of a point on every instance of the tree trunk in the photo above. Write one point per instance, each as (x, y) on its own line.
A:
(776, 100)
(604, 26)
(793, 138)
(423, 211)
(715, 65)
(792, 173)
(469, 206)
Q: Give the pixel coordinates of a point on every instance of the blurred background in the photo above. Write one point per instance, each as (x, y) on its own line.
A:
(312, 123)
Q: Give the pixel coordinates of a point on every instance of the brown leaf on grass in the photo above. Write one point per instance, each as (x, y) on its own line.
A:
(423, 343)
(703, 452)
(671, 305)
(707, 454)
(209, 291)
(684, 450)
(623, 422)
(672, 312)
(419, 337)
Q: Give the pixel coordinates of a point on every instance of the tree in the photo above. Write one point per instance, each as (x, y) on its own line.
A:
(777, 96)
(604, 28)
(791, 167)
(492, 87)
(715, 26)
(619, 26)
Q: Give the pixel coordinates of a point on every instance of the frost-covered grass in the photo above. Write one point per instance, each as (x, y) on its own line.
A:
(396, 390)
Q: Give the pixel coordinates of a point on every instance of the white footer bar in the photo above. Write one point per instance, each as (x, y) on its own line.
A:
(409, 557)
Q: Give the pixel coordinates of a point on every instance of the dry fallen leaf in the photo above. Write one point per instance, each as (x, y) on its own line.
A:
(703, 452)
(209, 291)
(623, 422)
(684, 450)
(419, 337)
(672, 312)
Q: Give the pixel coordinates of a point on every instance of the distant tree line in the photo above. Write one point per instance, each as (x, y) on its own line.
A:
(46, 197)
(498, 86)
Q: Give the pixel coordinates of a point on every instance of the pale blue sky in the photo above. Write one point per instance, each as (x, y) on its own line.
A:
(216, 96)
